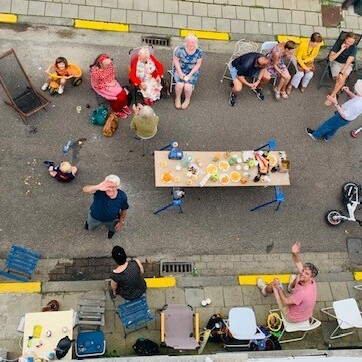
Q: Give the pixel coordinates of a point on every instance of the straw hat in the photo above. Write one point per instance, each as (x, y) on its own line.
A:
(65, 167)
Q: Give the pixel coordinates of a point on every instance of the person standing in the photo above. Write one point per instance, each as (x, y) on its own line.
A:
(344, 114)
(127, 279)
(252, 65)
(109, 205)
(298, 306)
(341, 59)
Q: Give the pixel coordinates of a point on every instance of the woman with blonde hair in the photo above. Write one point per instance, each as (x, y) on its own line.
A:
(144, 121)
(65, 172)
(187, 61)
(146, 73)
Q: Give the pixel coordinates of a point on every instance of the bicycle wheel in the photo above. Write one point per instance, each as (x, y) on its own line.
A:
(349, 190)
(333, 218)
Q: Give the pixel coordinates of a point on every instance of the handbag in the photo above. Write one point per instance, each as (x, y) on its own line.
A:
(99, 116)
(111, 125)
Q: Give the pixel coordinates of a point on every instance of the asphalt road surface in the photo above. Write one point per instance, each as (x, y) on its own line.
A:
(47, 216)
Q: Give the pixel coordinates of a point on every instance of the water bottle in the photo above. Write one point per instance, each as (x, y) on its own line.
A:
(186, 160)
(195, 271)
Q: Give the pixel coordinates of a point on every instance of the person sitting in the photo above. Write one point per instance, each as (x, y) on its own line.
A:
(341, 60)
(103, 81)
(127, 280)
(306, 52)
(146, 73)
(65, 172)
(277, 68)
(187, 61)
(252, 65)
(299, 306)
(144, 121)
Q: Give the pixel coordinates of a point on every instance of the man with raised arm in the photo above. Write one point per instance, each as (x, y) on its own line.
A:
(299, 305)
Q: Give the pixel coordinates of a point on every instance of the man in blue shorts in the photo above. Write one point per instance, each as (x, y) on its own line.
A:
(109, 206)
(251, 66)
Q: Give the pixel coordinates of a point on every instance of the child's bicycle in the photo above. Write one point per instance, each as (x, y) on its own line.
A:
(76, 80)
(351, 193)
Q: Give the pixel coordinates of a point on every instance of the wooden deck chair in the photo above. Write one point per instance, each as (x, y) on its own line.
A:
(241, 47)
(20, 263)
(327, 70)
(23, 97)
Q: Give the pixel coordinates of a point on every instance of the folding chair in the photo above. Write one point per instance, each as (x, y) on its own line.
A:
(327, 69)
(20, 263)
(241, 47)
(135, 315)
(179, 327)
(347, 314)
(23, 97)
(292, 327)
(241, 324)
(90, 340)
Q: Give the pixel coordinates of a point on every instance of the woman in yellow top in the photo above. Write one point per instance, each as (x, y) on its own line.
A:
(305, 54)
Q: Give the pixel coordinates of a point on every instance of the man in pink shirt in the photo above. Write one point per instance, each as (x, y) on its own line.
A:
(299, 305)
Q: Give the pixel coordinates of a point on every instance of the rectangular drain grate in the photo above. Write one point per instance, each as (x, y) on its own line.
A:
(156, 40)
(175, 267)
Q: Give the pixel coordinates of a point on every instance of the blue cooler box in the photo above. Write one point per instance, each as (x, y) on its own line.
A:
(90, 344)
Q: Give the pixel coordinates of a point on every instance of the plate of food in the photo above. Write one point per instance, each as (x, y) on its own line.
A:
(167, 177)
(194, 169)
(273, 160)
(224, 166)
(211, 169)
(224, 178)
(235, 176)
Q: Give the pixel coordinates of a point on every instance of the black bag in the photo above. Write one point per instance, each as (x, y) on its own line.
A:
(145, 347)
(63, 347)
(217, 326)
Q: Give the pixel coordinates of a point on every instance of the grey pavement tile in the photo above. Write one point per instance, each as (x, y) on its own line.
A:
(115, 343)
(194, 296)
(12, 346)
(205, 315)
(110, 321)
(175, 296)
(324, 292)
(232, 296)
(261, 313)
(339, 290)
(353, 292)
(318, 313)
(215, 294)
(156, 298)
(252, 296)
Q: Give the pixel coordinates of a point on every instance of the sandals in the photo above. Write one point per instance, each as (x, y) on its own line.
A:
(276, 94)
(289, 89)
(302, 89)
(284, 95)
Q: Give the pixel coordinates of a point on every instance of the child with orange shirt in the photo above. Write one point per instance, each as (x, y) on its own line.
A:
(60, 68)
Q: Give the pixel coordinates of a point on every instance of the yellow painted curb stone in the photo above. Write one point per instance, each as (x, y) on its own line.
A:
(213, 35)
(100, 25)
(29, 287)
(8, 18)
(267, 278)
(357, 275)
(165, 282)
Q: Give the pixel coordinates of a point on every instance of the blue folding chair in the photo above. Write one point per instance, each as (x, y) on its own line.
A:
(20, 263)
(135, 315)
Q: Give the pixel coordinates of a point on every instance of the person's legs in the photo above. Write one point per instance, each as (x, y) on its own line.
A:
(188, 92)
(330, 127)
(111, 227)
(119, 103)
(306, 79)
(178, 91)
(237, 86)
(284, 80)
(340, 79)
(297, 77)
(92, 223)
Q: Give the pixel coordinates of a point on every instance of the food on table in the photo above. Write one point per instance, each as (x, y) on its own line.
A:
(215, 177)
(189, 182)
(238, 167)
(189, 174)
(224, 166)
(177, 179)
(216, 157)
(235, 176)
(252, 163)
(167, 177)
(273, 160)
(194, 169)
(164, 164)
(263, 163)
(178, 167)
(227, 155)
(246, 167)
(194, 177)
(239, 160)
(211, 168)
(224, 178)
(244, 180)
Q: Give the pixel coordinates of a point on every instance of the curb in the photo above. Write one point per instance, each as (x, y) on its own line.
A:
(29, 287)
(267, 278)
(8, 18)
(101, 25)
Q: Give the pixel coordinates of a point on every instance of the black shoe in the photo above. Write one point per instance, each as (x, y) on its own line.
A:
(110, 234)
(86, 225)
(310, 133)
(48, 163)
(259, 94)
(232, 99)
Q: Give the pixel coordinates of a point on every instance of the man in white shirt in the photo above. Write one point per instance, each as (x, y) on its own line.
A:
(344, 114)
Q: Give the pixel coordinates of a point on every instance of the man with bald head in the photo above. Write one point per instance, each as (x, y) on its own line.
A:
(249, 70)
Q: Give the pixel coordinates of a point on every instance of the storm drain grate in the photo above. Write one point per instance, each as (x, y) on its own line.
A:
(156, 40)
(175, 267)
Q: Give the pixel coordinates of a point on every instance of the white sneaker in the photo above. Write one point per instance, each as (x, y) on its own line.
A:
(45, 86)
(61, 89)
(261, 285)
(291, 281)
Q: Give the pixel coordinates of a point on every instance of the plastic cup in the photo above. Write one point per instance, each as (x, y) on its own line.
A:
(79, 109)
(204, 303)
(208, 301)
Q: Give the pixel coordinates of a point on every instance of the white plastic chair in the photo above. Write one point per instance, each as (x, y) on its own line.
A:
(242, 325)
(358, 287)
(291, 327)
(241, 47)
(347, 314)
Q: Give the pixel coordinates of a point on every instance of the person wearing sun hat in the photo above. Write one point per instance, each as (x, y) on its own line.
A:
(345, 113)
(104, 82)
(65, 172)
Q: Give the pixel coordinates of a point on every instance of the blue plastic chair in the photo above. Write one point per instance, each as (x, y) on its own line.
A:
(135, 315)
(20, 263)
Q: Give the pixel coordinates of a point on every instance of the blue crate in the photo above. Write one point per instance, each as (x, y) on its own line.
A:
(90, 344)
